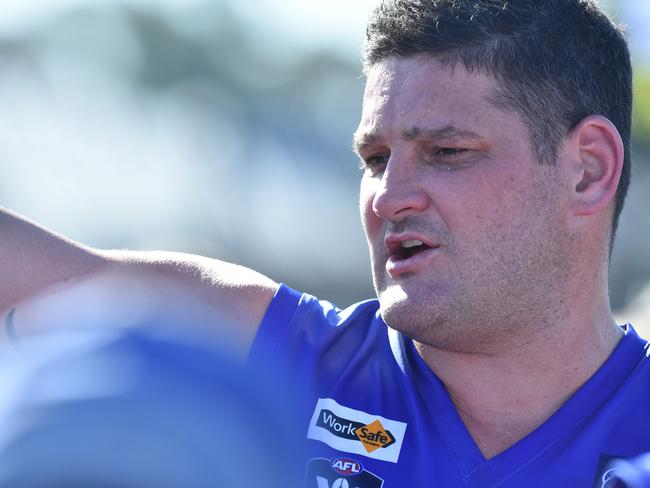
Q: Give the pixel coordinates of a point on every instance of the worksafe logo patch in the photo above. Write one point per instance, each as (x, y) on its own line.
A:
(356, 431)
(373, 436)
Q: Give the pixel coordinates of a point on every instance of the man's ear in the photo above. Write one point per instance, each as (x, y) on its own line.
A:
(597, 151)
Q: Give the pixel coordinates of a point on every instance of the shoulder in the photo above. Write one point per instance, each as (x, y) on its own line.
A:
(302, 312)
(302, 325)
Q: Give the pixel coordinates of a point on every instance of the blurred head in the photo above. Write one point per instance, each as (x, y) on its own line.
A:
(555, 62)
(153, 405)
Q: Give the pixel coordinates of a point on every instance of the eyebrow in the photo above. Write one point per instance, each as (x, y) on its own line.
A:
(362, 141)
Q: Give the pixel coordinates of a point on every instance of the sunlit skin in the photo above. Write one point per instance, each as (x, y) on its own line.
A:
(443, 164)
(508, 302)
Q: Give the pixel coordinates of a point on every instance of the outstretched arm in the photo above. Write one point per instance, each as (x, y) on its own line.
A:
(35, 261)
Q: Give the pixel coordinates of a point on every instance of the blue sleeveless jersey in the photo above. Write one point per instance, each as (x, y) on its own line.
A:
(375, 415)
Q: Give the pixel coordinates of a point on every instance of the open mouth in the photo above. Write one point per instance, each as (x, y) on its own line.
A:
(408, 255)
(409, 249)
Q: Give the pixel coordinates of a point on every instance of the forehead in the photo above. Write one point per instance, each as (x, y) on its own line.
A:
(419, 91)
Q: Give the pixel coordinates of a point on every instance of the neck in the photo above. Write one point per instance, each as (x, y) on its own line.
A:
(502, 396)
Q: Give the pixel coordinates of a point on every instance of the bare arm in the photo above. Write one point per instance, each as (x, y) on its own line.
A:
(34, 261)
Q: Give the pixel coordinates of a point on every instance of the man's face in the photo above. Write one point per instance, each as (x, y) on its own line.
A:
(463, 224)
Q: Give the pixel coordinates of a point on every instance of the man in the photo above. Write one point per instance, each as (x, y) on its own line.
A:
(494, 141)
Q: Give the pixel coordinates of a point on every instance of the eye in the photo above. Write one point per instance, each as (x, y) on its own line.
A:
(448, 152)
(449, 158)
(373, 163)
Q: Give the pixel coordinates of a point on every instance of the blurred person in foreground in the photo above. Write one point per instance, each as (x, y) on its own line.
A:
(123, 397)
(494, 143)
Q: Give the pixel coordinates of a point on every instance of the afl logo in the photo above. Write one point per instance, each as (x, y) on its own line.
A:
(346, 467)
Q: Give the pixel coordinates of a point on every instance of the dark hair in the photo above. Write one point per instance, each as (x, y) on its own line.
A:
(556, 61)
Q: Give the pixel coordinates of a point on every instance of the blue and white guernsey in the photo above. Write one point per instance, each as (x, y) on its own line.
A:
(376, 416)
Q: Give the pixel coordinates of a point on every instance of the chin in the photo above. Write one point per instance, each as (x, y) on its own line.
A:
(415, 316)
(433, 319)
(427, 318)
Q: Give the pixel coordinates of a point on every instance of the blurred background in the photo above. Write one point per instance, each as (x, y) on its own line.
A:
(223, 128)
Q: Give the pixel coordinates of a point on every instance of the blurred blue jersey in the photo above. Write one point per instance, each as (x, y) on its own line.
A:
(375, 415)
(139, 407)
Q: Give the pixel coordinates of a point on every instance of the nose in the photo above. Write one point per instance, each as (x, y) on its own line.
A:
(399, 192)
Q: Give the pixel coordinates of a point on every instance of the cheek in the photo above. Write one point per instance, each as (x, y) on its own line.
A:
(371, 223)
(487, 197)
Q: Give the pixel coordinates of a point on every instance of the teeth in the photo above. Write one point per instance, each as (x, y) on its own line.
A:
(413, 243)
